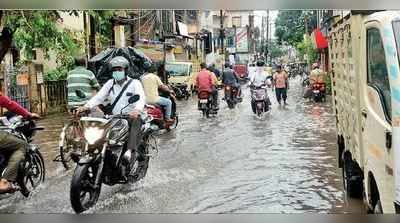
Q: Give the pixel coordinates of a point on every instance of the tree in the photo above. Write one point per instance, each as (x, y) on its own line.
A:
(275, 50)
(289, 26)
(39, 29)
(306, 48)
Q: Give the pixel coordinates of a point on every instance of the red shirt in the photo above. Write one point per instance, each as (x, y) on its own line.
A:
(204, 81)
(13, 106)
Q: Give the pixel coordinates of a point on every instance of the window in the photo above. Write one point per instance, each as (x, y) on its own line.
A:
(377, 70)
(237, 21)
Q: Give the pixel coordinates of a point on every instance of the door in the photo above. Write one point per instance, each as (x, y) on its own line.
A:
(376, 115)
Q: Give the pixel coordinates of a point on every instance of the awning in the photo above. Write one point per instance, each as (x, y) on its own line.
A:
(319, 40)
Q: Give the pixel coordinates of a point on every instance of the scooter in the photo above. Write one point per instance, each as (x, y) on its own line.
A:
(319, 92)
(205, 103)
(231, 96)
(158, 114)
(260, 102)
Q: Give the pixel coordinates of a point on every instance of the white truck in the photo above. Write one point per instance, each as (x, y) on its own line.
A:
(364, 52)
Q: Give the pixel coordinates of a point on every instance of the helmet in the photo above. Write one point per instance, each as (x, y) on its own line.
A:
(260, 63)
(119, 61)
(315, 65)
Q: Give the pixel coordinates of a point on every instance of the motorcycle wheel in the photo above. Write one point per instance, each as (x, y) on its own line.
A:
(31, 172)
(231, 105)
(83, 193)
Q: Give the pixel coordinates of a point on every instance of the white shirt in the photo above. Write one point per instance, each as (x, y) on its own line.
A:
(252, 71)
(135, 87)
(259, 78)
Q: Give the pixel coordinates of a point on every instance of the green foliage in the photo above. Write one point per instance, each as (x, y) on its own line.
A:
(289, 26)
(306, 48)
(39, 29)
(275, 50)
(103, 25)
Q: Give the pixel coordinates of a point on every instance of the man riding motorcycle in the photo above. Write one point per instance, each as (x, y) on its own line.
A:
(113, 90)
(229, 78)
(151, 84)
(205, 81)
(259, 79)
(11, 144)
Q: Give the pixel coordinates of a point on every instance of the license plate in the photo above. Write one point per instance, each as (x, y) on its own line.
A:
(316, 91)
(203, 101)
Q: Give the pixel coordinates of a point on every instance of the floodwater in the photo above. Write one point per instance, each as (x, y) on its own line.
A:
(284, 162)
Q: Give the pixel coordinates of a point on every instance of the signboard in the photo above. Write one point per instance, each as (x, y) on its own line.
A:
(23, 79)
(39, 78)
(183, 30)
(242, 43)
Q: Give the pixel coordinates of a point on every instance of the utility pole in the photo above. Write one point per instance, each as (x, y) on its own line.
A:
(221, 34)
(173, 22)
(267, 45)
(262, 35)
(139, 27)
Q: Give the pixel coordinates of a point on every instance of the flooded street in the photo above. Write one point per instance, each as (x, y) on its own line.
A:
(232, 163)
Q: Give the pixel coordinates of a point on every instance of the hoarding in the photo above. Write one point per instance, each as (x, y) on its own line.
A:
(242, 43)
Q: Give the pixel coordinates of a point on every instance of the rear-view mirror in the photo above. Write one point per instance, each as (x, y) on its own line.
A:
(133, 99)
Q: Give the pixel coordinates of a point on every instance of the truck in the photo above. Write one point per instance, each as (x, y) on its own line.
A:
(364, 52)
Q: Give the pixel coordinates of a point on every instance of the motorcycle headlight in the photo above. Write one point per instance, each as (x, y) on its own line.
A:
(93, 134)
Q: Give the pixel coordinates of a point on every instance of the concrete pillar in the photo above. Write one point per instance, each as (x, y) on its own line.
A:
(119, 33)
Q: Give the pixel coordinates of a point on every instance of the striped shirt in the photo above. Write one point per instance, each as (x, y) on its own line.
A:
(84, 80)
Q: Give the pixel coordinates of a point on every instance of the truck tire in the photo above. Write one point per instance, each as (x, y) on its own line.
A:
(352, 181)
(378, 208)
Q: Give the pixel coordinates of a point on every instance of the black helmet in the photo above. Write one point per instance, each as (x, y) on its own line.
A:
(260, 63)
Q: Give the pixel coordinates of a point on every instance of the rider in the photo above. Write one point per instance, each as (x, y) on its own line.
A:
(259, 79)
(205, 82)
(230, 78)
(11, 144)
(151, 83)
(80, 79)
(112, 89)
(316, 76)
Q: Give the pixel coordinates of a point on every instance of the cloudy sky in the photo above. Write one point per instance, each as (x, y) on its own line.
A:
(272, 16)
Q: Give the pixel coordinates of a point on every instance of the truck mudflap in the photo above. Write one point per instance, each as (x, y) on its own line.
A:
(396, 152)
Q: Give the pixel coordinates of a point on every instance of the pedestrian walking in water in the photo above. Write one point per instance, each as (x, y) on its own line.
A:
(280, 84)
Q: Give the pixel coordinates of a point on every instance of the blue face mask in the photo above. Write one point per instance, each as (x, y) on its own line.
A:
(118, 75)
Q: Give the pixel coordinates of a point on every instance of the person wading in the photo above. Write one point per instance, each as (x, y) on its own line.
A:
(280, 84)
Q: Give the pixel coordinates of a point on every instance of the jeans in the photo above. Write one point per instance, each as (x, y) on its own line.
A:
(167, 104)
(16, 147)
(281, 93)
(135, 134)
(214, 93)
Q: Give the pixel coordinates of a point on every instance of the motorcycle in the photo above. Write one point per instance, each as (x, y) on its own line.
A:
(318, 92)
(231, 96)
(31, 172)
(106, 159)
(205, 103)
(181, 91)
(259, 100)
(157, 113)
